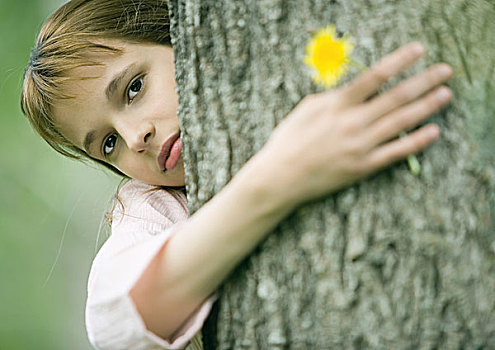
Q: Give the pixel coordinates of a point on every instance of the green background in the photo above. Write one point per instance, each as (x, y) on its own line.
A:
(51, 210)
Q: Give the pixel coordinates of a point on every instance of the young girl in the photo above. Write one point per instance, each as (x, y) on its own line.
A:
(100, 84)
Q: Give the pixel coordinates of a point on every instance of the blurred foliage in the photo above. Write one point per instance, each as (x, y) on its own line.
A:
(51, 210)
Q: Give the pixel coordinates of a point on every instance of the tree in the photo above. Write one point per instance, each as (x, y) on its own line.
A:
(397, 261)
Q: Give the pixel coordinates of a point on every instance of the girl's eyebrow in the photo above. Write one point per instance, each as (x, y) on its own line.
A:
(115, 82)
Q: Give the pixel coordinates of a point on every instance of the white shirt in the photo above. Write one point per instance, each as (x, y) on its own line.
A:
(141, 224)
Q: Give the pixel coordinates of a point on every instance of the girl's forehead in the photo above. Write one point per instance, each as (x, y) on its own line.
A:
(80, 82)
(97, 66)
(82, 96)
(86, 73)
(93, 63)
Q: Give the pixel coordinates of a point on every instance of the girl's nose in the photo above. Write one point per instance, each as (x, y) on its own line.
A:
(138, 137)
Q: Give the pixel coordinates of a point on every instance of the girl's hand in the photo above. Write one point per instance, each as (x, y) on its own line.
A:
(332, 139)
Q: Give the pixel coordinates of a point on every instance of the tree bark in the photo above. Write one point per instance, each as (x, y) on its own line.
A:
(397, 261)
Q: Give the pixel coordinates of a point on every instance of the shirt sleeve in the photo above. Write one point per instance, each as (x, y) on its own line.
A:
(142, 224)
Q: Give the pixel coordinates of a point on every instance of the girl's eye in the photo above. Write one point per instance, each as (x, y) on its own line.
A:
(109, 144)
(134, 88)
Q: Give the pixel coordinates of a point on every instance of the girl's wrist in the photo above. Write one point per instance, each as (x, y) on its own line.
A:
(273, 188)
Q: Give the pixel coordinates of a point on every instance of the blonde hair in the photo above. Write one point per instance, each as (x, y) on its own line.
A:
(65, 42)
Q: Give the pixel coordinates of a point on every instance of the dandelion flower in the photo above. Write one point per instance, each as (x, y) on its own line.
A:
(328, 56)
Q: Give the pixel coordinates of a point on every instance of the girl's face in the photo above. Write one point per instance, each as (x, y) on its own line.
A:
(126, 113)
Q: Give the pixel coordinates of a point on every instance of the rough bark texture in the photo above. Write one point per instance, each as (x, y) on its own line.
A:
(397, 261)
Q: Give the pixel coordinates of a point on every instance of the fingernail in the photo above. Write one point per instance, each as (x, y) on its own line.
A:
(434, 130)
(445, 70)
(418, 48)
(443, 94)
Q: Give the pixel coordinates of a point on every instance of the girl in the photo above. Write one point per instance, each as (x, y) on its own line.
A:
(100, 84)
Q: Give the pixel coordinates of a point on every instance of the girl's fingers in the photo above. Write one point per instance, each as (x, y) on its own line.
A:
(408, 116)
(408, 90)
(400, 148)
(370, 81)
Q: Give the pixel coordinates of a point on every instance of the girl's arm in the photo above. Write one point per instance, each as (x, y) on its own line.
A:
(329, 141)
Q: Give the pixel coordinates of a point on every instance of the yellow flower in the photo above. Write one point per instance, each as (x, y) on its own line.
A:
(328, 56)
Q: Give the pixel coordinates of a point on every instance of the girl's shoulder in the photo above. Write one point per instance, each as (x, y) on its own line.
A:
(140, 203)
(141, 213)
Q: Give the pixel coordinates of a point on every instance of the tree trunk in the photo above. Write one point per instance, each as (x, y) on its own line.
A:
(395, 262)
